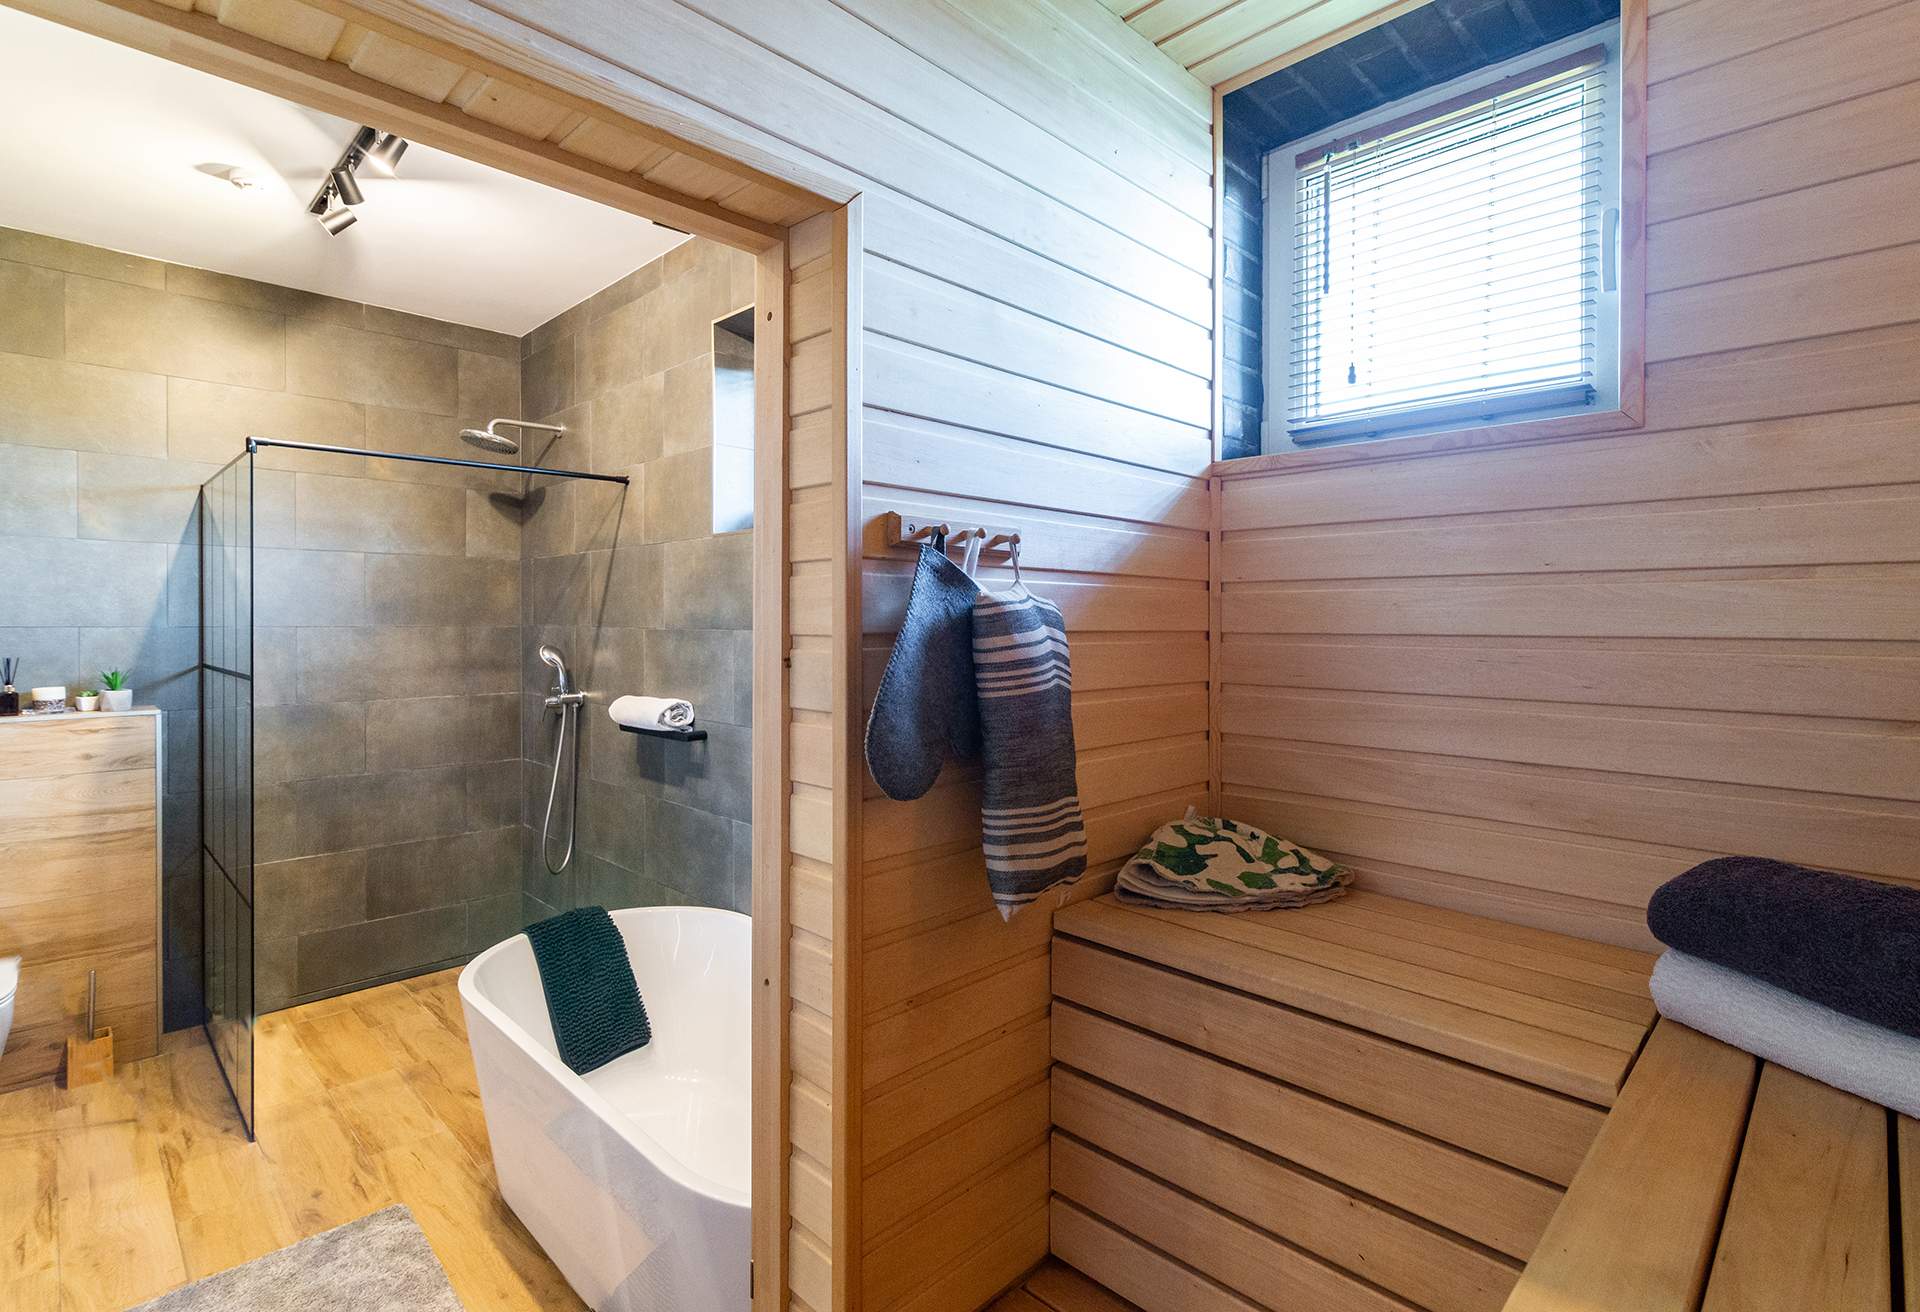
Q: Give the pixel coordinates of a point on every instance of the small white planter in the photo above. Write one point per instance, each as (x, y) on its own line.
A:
(81, 703)
(119, 699)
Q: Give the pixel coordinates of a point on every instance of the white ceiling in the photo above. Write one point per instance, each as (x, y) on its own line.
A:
(103, 145)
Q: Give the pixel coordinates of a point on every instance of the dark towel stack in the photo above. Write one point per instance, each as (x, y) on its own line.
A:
(1815, 971)
(592, 997)
(1849, 944)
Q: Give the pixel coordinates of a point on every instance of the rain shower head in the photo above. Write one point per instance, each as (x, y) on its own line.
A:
(489, 439)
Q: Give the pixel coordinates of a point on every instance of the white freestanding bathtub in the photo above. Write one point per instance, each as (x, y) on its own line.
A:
(633, 1177)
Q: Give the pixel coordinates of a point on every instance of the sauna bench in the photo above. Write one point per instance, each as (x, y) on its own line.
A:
(1723, 1183)
(1363, 1106)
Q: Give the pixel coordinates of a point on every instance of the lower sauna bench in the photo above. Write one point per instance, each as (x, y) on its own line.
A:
(1725, 1184)
(1366, 1106)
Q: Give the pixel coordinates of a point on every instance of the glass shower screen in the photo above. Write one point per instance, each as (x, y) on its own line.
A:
(226, 772)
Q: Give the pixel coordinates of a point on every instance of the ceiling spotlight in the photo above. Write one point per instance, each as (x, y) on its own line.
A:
(386, 152)
(345, 186)
(340, 189)
(337, 220)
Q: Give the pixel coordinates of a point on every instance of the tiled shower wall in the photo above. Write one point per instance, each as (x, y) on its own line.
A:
(401, 748)
(389, 811)
(638, 591)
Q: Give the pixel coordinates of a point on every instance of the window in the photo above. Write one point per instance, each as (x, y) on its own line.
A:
(1450, 260)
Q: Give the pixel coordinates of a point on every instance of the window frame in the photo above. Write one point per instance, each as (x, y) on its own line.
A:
(1622, 410)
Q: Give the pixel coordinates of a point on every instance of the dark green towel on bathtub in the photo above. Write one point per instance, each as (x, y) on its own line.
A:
(591, 994)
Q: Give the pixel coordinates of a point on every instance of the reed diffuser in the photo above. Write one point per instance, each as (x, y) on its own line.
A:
(9, 695)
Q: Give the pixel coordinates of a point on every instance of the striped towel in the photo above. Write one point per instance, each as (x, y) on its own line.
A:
(1030, 826)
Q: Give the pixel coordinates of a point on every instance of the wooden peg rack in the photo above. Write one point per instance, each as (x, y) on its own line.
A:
(905, 530)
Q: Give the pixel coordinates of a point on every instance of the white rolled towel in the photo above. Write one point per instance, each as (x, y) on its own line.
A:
(1880, 1065)
(652, 712)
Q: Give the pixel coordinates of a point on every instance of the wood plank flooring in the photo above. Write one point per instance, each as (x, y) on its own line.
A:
(115, 1193)
(1053, 1286)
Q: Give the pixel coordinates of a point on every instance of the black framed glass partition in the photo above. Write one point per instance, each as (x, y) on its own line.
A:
(226, 772)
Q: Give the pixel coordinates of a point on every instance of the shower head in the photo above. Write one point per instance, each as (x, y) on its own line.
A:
(490, 439)
(552, 657)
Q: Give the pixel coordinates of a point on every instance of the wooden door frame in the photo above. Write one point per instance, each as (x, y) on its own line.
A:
(200, 41)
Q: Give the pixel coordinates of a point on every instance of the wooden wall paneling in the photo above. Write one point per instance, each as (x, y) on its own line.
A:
(1849, 138)
(1171, 162)
(1648, 647)
(1819, 66)
(835, 45)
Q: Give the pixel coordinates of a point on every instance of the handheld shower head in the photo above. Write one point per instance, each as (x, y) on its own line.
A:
(552, 657)
(490, 439)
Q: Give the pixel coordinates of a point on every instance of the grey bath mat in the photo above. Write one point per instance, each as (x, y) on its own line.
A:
(380, 1263)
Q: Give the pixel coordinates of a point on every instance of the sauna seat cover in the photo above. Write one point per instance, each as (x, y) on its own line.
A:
(1203, 863)
(925, 705)
(592, 997)
(1878, 1064)
(1846, 943)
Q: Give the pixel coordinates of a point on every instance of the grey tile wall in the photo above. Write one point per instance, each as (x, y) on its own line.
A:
(401, 746)
(388, 594)
(639, 593)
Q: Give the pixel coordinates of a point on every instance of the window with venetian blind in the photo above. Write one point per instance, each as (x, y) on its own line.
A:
(1452, 261)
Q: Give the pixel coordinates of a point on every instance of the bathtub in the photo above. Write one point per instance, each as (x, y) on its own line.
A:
(633, 1177)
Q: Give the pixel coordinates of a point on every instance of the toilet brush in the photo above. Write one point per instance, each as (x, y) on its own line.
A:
(90, 1059)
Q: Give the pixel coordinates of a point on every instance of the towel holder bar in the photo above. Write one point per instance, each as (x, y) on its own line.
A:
(905, 530)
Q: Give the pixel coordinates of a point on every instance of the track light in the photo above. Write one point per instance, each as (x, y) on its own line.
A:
(386, 152)
(341, 188)
(346, 186)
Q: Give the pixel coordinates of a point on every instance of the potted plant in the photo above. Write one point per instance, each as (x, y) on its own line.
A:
(87, 699)
(119, 696)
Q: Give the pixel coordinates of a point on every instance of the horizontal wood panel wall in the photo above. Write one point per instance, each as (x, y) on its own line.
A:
(1040, 362)
(1536, 682)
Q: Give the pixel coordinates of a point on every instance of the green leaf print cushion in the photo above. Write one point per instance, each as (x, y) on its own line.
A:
(1203, 863)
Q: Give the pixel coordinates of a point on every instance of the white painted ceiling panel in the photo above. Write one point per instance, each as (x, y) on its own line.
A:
(104, 145)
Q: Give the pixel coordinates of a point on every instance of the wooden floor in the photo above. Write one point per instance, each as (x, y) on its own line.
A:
(1057, 1287)
(112, 1194)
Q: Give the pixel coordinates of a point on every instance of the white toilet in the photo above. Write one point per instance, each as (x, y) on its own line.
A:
(9, 984)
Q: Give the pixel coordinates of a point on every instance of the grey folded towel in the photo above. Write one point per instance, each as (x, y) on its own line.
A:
(925, 703)
(1849, 944)
(1785, 1028)
(1030, 827)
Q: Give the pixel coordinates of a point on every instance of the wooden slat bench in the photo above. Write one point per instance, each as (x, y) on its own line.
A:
(1368, 1105)
(1721, 1183)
